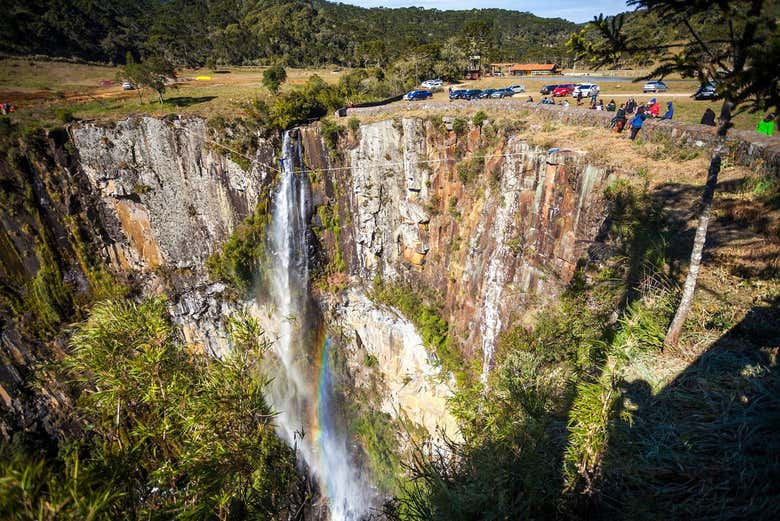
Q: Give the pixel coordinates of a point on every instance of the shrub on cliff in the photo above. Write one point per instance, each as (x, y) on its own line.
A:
(171, 431)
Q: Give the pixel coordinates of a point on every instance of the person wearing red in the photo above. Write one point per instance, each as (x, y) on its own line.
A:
(655, 108)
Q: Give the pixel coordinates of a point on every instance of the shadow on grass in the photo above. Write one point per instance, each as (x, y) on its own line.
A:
(707, 446)
(186, 101)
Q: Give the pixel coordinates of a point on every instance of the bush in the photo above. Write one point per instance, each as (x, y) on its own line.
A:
(354, 124)
(469, 170)
(64, 115)
(273, 77)
(459, 126)
(479, 118)
(193, 432)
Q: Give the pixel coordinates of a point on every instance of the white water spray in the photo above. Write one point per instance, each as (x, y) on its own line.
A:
(302, 390)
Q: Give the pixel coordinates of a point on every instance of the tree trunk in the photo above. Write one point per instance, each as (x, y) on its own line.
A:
(673, 335)
(159, 93)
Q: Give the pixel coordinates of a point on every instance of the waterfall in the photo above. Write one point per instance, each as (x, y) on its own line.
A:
(301, 389)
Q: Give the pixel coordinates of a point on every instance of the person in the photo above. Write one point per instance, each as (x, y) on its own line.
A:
(669, 110)
(593, 97)
(620, 118)
(611, 106)
(655, 108)
(708, 118)
(579, 98)
(767, 125)
(637, 121)
(630, 106)
(600, 105)
(530, 99)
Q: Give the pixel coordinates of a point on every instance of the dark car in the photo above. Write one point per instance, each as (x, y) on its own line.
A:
(471, 94)
(502, 93)
(418, 94)
(486, 93)
(548, 89)
(706, 92)
(457, 94)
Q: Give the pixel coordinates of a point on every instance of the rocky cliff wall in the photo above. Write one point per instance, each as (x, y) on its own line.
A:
(483, 219)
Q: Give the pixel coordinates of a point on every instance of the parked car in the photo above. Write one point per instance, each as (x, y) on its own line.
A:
(432, 84)
(457, 94)
(708, 91)
(471, 94)
(502, 93)
(587, 90)
(127, 86)
(417, 94)
(486, 93)
(655, 86)
(563, 90)
(516, 88)
(548, 89)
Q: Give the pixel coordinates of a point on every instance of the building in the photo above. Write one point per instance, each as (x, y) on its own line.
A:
(474, 71)
(501, 69)
(534, 69)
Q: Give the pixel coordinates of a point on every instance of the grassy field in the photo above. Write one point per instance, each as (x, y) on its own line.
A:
(43, 89)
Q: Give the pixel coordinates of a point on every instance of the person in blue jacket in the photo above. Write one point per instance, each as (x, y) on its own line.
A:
(669, 110)
(637, 120)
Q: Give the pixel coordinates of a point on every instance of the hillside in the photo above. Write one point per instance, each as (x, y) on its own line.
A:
(292, 32)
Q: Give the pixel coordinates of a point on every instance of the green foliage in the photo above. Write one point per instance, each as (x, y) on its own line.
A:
(172, 432)
(479, 118)
(155, 72)
(459, 126)
(426, 316)
(273, 77)
(289, 32)
(469, 170)
(376, 432)
(241, 260)
(331, 132)
(64, 115)
(354, 124)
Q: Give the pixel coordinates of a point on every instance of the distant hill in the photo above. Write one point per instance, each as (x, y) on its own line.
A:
(293, 32)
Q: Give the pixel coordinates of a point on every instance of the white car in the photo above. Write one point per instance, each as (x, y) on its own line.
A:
(432, 84)
(516, 88)
(655, 86)
(587, 90)
(127, 86)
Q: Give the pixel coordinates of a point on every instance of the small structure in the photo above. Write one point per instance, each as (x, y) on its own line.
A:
(501, 69)
(534, 69)
(474, 72)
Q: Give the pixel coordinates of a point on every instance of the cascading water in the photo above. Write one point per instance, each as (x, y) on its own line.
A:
(302, 389)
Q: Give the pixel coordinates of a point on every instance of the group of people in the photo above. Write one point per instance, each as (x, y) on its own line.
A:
(6, 108)
(640, 111)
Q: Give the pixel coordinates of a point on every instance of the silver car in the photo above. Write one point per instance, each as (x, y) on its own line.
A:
(655, 86)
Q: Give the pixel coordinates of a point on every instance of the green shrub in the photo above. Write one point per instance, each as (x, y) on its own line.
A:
(354, 124)
(471, 169)
(459, 126)
(64, 115)
(241, 260)
(192, 431)
(273, 77)
(479, 118)
(331, 132)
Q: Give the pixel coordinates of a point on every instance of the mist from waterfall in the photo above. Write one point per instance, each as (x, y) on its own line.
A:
(302, 389)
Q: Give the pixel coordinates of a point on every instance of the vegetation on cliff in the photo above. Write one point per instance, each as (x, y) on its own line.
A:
(168, 431)
(583, 414)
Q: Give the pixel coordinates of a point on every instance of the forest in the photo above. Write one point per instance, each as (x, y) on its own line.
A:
(289, 32)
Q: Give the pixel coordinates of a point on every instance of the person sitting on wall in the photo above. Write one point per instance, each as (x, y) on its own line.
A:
(767, 125)
(611, 106)
(630, 106)
(655, 108)
(619, 121)
(669, 111)
(708, 118)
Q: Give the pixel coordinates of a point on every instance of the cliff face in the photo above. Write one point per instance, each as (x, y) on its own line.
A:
(484, 220)
(175, 200)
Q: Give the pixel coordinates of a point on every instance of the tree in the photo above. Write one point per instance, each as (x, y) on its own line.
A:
(732, 43)
(273, 77)
(157, 71)
(135, 74)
